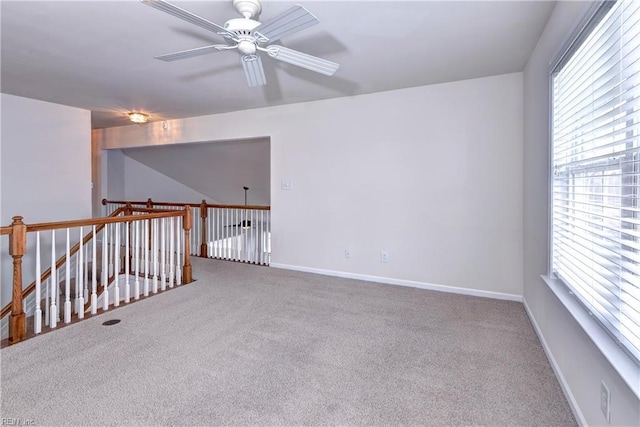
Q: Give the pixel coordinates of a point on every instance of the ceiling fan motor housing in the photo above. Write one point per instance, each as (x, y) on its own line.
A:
(241, 27)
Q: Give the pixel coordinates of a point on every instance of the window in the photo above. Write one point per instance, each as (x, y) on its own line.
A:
(595, 233)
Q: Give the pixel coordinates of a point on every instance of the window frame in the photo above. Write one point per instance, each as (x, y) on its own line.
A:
(622, 361)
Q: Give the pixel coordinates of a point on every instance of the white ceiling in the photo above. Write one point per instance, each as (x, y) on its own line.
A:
(98, 55)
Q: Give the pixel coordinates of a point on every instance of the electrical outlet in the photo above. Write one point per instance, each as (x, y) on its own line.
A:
(384, 256)
(605, 401)
(347, 253)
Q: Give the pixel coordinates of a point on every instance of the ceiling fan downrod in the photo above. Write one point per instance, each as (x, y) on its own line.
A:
(248, 8)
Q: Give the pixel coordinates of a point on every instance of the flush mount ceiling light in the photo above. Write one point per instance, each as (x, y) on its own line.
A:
(138, 117)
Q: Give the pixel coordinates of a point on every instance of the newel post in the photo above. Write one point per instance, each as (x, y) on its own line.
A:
(17, 248)
(186, 225)
(149, 203)
(203, 215)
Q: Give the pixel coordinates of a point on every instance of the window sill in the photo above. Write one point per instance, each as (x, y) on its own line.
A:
(628, 370)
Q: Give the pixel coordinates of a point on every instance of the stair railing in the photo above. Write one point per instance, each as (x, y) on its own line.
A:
(230, 232)
(137, 244)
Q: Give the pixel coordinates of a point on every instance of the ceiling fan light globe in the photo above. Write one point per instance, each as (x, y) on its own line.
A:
(246, 47)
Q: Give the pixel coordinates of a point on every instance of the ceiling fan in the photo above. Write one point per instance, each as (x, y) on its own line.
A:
(250, 37)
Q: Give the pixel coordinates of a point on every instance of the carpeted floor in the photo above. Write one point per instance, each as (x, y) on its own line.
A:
(247, 345)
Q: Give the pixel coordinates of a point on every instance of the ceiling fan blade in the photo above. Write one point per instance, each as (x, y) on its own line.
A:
(253, 70)
(303, 60)
(190, 53)
(290, 21)
(188, 16)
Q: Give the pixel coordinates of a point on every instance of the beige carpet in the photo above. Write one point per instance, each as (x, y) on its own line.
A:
(247, 345)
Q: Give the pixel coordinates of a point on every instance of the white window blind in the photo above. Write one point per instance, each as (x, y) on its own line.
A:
(595, 244)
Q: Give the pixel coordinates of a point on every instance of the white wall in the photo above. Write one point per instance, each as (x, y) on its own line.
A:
(580, 364)
(219, 170)
(142, 182)
(115, 175)
(46, 166)
(433, 175)
(4, 240)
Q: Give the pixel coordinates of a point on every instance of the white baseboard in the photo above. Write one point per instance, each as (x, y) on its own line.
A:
(577, 413)
(401, 282)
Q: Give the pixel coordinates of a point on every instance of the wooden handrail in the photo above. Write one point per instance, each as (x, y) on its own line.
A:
(149, 202)
(100, 222)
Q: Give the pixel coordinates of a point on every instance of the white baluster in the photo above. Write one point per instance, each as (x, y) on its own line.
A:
(37, 314)
(227, 234)
(67, 282)
(258, 229)
(242, 235)
(254, 230)
(105, 268)
(116, 267)
(238, 237)
(127, 261)
(252, 249)
(259, 237)
(136, 238)
(85, 268)
(94, 274)
(194, 231)
(145, 225)
(53, 311)
(178, 249)
(111, 250)
(171, 252)
(47, 306)
(248, 234)
(236, 234)
(220, 236)
(247, 237)
(262, 237)
(214, 238)
(232, 240)
(209, 232)
(163, 260)
(216, 233)
(58, 294)
(248, 249)
(154, 249)
(80, 280)
(75, 283)
(256, 237)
